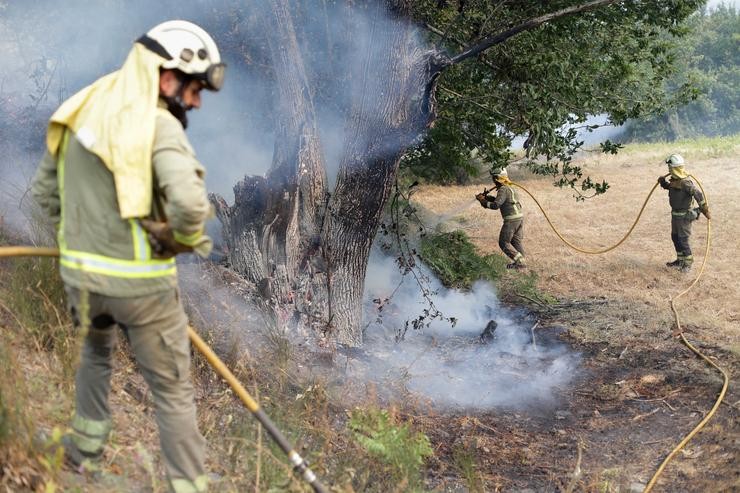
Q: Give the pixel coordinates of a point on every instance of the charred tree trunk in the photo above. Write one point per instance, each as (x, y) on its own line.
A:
(275, 223)
(307, 251)
(391, 109)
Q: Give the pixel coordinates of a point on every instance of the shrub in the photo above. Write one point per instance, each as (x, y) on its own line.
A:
(396, 445)
(454, 259)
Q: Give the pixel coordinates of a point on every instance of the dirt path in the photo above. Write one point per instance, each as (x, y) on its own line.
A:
(641, 390)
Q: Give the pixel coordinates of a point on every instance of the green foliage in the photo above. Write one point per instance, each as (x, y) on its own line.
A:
(525, 286)
(455, 261)
(544, 84)
(457, 264)
(465, 463)
(53, 459)
(711, 64)
(394, 444)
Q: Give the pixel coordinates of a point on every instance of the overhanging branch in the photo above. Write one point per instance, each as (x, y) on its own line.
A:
(527, 26)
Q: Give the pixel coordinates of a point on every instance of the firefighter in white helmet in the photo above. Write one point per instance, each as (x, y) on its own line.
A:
(511, 236)
(686, 201)
(122, 183)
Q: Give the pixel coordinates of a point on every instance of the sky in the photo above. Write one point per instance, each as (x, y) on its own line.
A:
(714, 3)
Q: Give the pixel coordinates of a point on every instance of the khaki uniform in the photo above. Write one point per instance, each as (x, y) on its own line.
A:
(111, 278)
(681, 195)
(512, 231)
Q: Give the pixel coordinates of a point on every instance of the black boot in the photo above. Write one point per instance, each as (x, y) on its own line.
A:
(676, 263)
(74, 456)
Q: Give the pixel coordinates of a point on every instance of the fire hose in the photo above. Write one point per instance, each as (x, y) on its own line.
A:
(678, 330)
(300, 465)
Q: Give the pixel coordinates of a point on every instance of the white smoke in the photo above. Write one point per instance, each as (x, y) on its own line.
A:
(49, 50)
(449, 366)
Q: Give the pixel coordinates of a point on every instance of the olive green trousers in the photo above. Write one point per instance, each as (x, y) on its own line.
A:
(156, 327)
(511, 237)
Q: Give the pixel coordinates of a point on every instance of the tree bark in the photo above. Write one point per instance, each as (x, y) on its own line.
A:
(305, 249)
(275, 221)
(391, 110)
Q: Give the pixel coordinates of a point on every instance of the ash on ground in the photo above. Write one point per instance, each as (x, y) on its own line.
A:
(516, 366)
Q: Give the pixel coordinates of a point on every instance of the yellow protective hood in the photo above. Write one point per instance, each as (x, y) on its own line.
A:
(678, 173)
(504, 180)
(114, 119)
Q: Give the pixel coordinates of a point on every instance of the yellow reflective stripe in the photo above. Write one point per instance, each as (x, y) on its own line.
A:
(188, 240)
(91, 426)
(142, 250)
(114, 267)
(90, 445)
(60, 182)
(180, 485)
(513, 216)
(515, 198)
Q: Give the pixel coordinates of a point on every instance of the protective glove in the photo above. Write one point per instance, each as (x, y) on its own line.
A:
(162, 239)
(663, 182)
(482, 199)
(705, 211)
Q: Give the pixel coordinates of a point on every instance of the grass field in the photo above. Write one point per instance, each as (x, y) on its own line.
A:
(637, 393)
(644, 391)
(635, 272)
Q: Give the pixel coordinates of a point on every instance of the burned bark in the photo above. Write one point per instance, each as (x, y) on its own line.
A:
(307, 249)
(275, 220)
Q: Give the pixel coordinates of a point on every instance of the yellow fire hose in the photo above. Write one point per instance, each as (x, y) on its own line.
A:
(300, 465)
(676, 318)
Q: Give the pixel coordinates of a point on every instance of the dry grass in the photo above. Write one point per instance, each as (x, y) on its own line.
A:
(634, 273)
(244, 459)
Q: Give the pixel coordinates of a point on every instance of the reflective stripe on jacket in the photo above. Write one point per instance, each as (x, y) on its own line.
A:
(101, 252)
(508, 202)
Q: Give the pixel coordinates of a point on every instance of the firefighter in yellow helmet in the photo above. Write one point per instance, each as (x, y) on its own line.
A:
(686, 201)
(122, 183)
(512, 231)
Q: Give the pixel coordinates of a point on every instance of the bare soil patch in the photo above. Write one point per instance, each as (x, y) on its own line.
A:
(641, 390)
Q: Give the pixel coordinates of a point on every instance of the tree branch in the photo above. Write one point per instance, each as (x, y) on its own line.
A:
(527, 26)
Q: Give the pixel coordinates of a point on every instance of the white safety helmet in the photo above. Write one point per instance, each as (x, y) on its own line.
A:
(189, 49)
(498, 172)
(674, 160)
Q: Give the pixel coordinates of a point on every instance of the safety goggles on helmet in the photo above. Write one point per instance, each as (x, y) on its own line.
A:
(215, 76)
(674, 160)
(188, 48)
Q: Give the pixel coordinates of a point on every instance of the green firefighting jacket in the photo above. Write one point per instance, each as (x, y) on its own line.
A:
(681, 193)
(99, 251)
(507, 202)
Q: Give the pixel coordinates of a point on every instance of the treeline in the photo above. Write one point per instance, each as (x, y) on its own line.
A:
(710, 62)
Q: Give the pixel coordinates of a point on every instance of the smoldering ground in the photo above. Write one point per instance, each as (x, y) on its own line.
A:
(441, 366)
(449, 366)
(52, 50)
